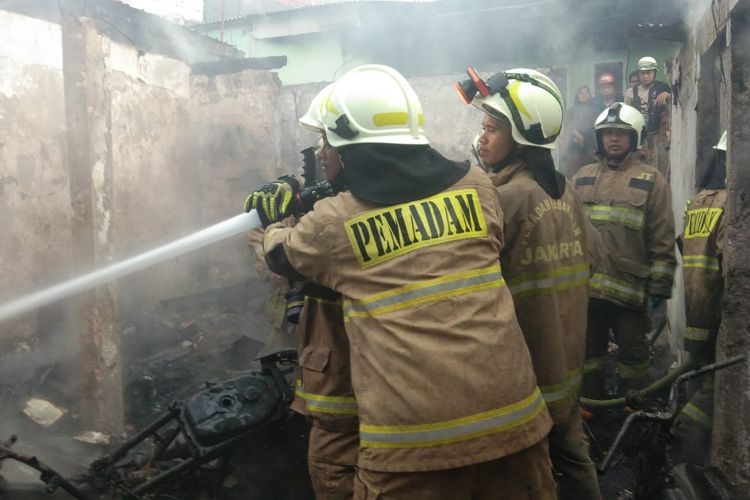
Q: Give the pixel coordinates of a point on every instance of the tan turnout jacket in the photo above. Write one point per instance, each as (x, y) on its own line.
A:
(546, 265)
(324, 389)
(703, 246)
(631, 207)
(440, 368)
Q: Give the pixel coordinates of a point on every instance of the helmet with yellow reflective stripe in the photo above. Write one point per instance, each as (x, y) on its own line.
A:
(312, 120)
(373, 104)
(528, 99)
(620, 115)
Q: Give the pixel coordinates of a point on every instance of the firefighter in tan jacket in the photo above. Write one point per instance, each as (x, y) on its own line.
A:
(324, 390)
(545, 259)
(448, 401)
(630, 204)
(702, 250)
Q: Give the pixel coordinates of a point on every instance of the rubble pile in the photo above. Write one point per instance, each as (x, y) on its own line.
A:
(169, 354)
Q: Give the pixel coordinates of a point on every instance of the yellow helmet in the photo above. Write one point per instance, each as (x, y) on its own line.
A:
(373, 104)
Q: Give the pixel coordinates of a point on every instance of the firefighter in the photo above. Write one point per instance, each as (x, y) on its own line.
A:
(545, 259)
(447, 397)
(702, 250)
(324, 390)
(630, 204)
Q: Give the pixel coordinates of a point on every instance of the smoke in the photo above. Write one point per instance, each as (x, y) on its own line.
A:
(186, 150)
(177, 165)
(693, 11)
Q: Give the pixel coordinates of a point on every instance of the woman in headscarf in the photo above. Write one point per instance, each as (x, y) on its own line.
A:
(578, 142)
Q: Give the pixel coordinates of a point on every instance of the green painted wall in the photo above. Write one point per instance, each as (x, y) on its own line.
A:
(310, 58)
(581, 71)
(320, 57)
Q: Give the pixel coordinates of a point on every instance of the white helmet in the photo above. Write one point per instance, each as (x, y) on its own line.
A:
(373, 104)
(312, 120)
(620, 115)
(528, 99)
(647, 63)
(722, 144)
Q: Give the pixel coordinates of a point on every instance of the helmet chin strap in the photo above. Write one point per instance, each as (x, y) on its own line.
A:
(616, 160)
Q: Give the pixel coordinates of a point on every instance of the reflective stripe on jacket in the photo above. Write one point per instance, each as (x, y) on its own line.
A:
(547, 266)
(703, 244)
(631, 207)
(324, 389)
(440, 369)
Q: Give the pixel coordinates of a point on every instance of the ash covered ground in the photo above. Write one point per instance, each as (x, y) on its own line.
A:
(169, 354)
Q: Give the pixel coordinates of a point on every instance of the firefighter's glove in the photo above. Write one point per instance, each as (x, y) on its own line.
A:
(657, 311)
(273, 200)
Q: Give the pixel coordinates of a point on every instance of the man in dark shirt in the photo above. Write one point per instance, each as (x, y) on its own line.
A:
(651, 97)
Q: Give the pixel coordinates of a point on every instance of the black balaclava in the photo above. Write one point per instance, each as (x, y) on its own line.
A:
(339, 183)
(512, 157)
(716, 173)
(542, 166)
(387, 174)
(539, 161)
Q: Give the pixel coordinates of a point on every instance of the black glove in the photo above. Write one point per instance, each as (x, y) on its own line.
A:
(272, 201)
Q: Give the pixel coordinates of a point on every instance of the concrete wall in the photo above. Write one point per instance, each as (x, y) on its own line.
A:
(731, 439)
(185, 150)
(682, 169)
(34, 199)
(698, 119)
(711, 72)
(232, 144)
(150, 186)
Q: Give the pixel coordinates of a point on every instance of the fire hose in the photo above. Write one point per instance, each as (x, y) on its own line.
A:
(242, 223)
(656, 386)
(652, 388)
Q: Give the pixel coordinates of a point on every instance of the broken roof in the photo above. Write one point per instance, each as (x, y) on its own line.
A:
(125, 24)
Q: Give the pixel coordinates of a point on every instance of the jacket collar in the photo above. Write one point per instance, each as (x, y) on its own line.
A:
(623, 164)
(506, 174)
